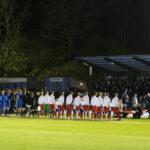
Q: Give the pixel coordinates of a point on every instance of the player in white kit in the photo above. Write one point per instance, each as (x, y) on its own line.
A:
(77, 105)
(61, 105)
(106, 105)
(86, 105)
(52, 104)
(99, 105)
(93, 105)
(69, 100)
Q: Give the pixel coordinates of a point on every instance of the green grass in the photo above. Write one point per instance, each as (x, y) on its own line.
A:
(46, 134)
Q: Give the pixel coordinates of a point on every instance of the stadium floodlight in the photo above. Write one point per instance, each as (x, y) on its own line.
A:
(85, 64)
(81, 83)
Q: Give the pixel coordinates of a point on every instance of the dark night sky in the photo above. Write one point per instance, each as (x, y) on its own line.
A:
(129, 22)
(55, 32)
(126, 21)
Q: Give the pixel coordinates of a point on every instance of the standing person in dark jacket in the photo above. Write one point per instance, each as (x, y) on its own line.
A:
(148, 103)
(31, 104)
(13, 99)
(37, 95)
(28, 95)
(24, 100)
(138, 111)
(34, 104)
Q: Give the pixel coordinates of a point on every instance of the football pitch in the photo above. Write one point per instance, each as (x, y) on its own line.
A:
(48, 134)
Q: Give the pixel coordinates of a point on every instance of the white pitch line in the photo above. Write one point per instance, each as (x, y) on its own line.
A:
(135, 122)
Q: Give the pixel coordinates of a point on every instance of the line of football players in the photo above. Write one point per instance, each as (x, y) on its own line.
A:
(101, 106)
(47, 105)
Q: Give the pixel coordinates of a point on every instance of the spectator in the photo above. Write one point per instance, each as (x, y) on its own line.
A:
(148, 103)
(134, 104)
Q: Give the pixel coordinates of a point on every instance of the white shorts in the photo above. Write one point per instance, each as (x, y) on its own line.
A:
(39, 108)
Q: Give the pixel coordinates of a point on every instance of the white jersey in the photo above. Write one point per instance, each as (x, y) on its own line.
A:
(86, 100)
(77, 101)
(61, 100)
(106, 101)
(46, 99)
(93, 101)
(56, 105)
(69, 99)
(114, 102)
(41, 100)
(52, 99)
(99, 102)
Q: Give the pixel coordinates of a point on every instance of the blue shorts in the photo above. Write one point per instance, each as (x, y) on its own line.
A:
(7, 104)
(2, 108)
(57, 110)
(74, 110)
(81, 111)
(19, 104)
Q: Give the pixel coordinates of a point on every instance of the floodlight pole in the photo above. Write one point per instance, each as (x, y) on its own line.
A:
(90, 70)
(90, 74)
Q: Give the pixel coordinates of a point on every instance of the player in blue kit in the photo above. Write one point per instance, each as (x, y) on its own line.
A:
(19, 102)
(7, 103)
(2, 102)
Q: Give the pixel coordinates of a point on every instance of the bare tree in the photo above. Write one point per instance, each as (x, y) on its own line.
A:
(12, 17)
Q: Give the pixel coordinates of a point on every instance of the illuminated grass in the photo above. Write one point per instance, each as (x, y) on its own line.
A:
(47, 134)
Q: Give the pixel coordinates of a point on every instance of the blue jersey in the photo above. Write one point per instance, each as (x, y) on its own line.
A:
(7, 100)
(19, 100)
(2, 101)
